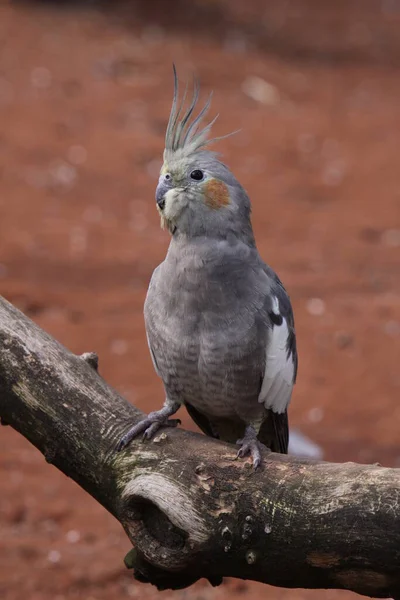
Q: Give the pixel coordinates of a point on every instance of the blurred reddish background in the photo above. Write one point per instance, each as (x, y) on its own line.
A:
(85, 92)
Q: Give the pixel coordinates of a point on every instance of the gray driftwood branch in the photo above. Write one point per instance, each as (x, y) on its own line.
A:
(188, 507)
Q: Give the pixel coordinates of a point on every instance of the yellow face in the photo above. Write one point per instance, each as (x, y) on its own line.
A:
(164, 169)
(213, 191)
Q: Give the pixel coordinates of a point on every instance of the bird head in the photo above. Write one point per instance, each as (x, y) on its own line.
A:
(197, 194)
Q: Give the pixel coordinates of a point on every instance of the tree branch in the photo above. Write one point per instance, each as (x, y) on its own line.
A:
(189, 508)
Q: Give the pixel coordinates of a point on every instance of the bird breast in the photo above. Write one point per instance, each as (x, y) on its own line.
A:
(205, 339)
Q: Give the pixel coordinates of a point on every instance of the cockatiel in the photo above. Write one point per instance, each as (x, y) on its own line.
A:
(219, 322)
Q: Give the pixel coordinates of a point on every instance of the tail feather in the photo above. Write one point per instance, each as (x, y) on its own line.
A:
(201, 420)
(274, 432)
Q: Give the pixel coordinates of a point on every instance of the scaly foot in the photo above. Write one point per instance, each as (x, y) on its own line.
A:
(249, 444)
(150, 424)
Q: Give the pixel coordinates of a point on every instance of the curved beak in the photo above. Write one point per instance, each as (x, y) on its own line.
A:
(161, 190)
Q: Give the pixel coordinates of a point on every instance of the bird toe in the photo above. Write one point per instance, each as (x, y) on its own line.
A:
(148, 426)
(250, 447)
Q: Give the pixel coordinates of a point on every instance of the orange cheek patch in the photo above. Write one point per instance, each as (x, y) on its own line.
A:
(216, 194)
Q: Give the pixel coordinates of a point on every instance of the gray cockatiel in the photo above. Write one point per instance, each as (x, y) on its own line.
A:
(219, 321)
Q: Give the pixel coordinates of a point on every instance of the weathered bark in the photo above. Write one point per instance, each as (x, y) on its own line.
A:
(189, 508)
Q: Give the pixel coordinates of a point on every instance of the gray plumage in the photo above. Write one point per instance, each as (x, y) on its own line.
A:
(219, 322)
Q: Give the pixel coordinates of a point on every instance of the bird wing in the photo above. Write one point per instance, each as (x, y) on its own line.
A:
(280, 363)
(280, 352)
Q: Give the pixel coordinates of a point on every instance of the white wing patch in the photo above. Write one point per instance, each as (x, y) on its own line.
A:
(277, 385)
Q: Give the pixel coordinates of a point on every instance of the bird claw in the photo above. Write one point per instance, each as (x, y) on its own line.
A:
(154, 427)
(251, 445)
(148, 426)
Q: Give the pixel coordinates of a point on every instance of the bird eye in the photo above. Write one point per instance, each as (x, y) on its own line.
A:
(167, 176)
(197, 175)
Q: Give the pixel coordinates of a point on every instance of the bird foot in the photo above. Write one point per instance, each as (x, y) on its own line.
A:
(148, 426)
(249, 444)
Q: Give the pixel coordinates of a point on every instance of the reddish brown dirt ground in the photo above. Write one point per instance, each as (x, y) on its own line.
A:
(85, 91)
